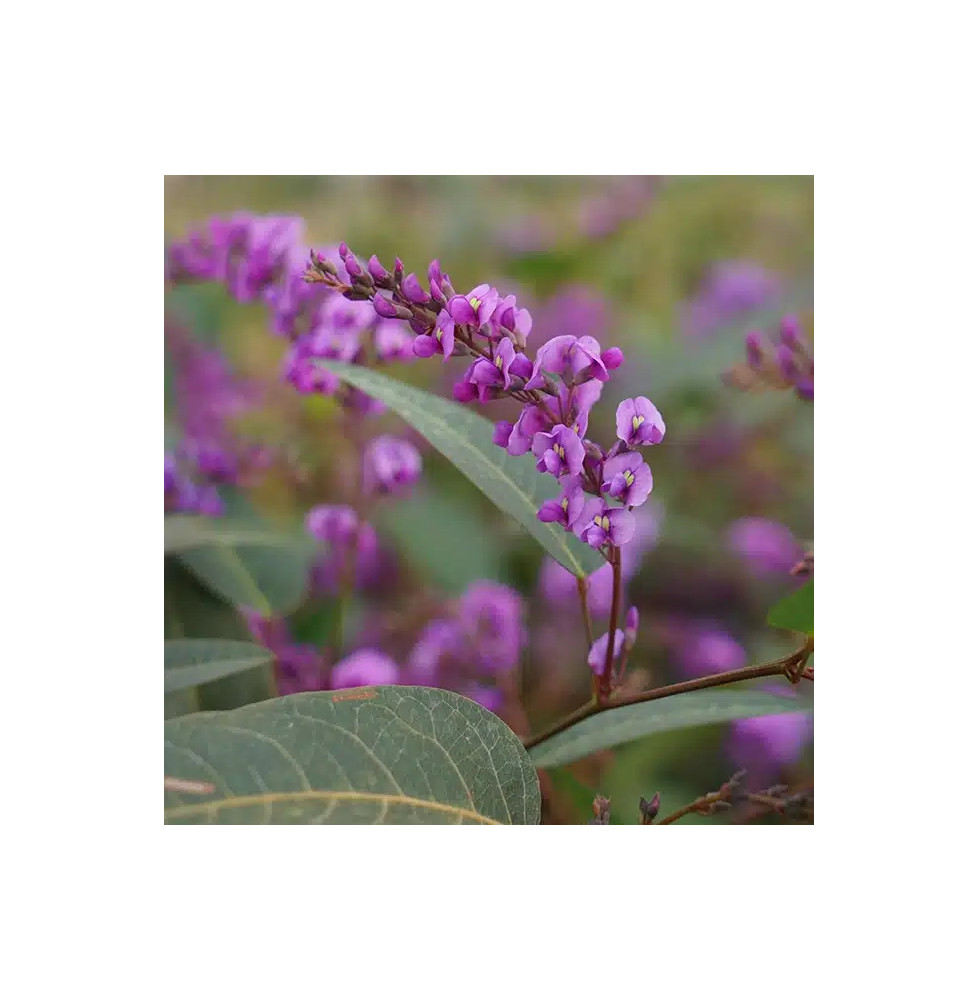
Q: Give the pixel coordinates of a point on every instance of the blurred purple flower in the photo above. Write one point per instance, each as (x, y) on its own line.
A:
(491, 618)
(364, 668)
(709, 649)
(768, 743)
(597, 657)
(766, 546)
(390, 465)
(730, 290)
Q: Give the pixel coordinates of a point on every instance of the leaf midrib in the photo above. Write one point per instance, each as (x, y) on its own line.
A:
(323, 796)
(530, 505)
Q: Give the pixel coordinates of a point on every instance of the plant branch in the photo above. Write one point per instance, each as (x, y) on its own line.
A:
(605, 688)
(788, 666)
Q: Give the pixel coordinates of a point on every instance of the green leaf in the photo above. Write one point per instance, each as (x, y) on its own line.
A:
(248, 565)
(465, 439)
(796, 611)
(443, 541)
(361, 755)
(189, 662)
(631, 722)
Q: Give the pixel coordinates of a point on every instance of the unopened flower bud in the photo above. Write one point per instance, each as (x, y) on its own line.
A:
(350, 261)
(390, 310)
(612, 358)
(787, 363)
(398, 268)
(377, 270)
(649, 808)
(755, 352)
(631, 628)
(412, 290)
(790, 333)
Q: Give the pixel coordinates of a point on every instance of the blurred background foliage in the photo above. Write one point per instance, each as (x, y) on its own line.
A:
(638, 260)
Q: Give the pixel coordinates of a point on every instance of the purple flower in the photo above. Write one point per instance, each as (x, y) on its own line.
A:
(491, 618)
(438, 643)
(560, 452)
(334, 524)
(475, 308)
(377, 270)
(531, 421)
(170, 473)
(639, 422)
(628, 478)
(600, 524)
(390, 465)
(709, 649)
(393, 342)
(574, 359)
(502, 432)
(505, 364)
(566, 508)
(298, 668)
(413, 291)
(559, 586)
(599, 652)
(576, 403)
(766, 744)
(441, 339)
(731, 290)
(516, 321)
(364, 668)
(488, 698)
(766, 546)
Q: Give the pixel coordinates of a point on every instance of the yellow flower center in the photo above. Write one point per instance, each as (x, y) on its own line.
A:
(474, 302)
(637, 422)
(499, 363)
(605, 523)
(559, 448)
(629, 478)
(577, 428)
(597, 520)
(438, 334)
(563, 505)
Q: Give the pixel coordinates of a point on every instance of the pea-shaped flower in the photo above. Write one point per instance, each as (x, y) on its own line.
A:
(560, 452)
(390, 465)
(639, 422)
(628, 478)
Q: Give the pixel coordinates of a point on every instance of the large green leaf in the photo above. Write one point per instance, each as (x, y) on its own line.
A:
(796, 611)
(189, 662)
(465, 439)
(246, 564)
(631, 722)
(361, 755)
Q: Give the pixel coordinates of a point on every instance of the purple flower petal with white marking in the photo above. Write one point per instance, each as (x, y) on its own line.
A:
(628, 478)
(566, 508)
(560, 452)
(600, 524)
(638, 422)
(531, 421)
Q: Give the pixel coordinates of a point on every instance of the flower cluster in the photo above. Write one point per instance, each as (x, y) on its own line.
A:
(302, 667)
(557, 389)
(211, 452)
(479, 643)
(263, 259)
(731, 290)
(781, 362)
